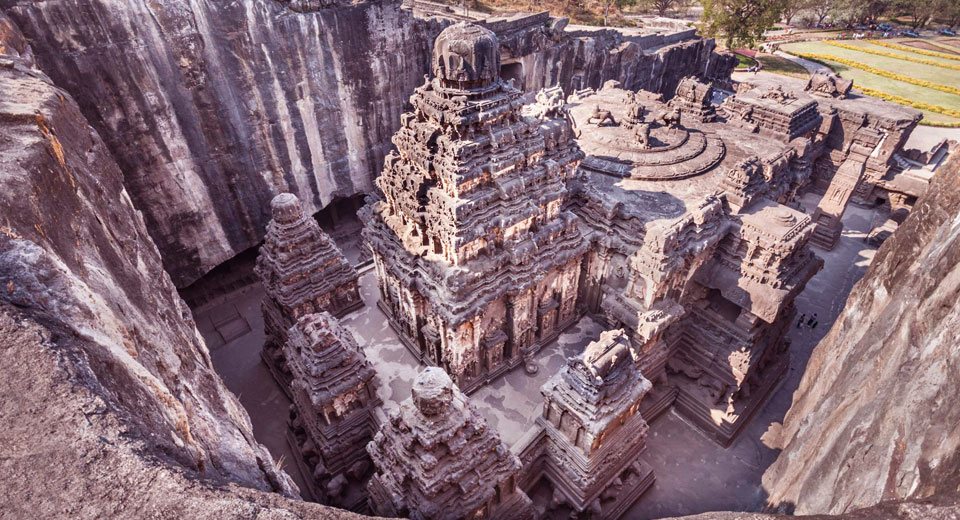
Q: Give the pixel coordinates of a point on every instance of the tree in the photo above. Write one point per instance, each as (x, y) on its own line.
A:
(951, 13)
(607, 5)
(663, 6)
(921, 11)
(821, 9)
(857, 12)
(740, 22)
(792, 7)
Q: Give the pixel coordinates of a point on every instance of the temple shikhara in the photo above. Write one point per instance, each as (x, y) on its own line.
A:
(302, 272)
(334, 408)
(502, 218)
(477, 255)
(436, 458)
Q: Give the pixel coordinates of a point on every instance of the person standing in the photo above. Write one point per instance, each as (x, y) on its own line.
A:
(800, 322)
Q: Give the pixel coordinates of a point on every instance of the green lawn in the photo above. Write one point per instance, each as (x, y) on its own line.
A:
(919, 71)
(898, 52)
(887, 85)
(744, 61)
(779, 65)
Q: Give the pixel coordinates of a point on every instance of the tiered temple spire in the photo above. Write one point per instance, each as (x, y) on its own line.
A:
(437, 459)
(477, 260)
(334, 413)
(303, 271)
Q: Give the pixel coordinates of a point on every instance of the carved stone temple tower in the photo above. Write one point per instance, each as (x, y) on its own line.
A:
(478, 264)
(436, 459)
(594, 431)
(302, 271)
(334, 408)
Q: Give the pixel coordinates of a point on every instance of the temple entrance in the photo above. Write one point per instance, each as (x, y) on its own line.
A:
(514, 71)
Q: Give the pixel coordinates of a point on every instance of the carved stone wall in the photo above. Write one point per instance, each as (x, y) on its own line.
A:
(302, 272)
(334, 409)
(437, 459)
(477, 260)
(594, 432)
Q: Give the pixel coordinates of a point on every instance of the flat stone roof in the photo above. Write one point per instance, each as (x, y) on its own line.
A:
(612, 157)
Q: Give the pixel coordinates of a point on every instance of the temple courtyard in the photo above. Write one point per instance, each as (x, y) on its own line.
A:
(693, 473)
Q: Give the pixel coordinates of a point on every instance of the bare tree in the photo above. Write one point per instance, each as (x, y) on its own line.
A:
(792, 7)
(661, 7)
(821, 8)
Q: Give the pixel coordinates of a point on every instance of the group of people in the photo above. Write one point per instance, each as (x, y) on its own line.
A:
(811, 321)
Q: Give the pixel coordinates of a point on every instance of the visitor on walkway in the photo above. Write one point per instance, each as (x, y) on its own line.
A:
(800, 322)
(812, 321)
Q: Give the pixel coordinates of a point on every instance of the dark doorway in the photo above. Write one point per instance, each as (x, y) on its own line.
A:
(513, 71)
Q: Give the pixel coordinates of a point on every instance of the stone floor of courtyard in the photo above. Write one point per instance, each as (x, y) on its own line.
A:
(693, 473)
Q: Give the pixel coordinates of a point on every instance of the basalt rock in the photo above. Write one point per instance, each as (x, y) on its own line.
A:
(874, 418)
(211, 109)
(437, 459)
(107, 378)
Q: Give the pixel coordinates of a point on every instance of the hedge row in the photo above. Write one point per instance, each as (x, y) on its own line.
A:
(919, 105)
(892, 55)
(914, 49)
(880, 72)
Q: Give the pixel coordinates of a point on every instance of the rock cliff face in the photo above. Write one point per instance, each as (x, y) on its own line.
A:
(212, 108)
(106, 378)
(876, 415)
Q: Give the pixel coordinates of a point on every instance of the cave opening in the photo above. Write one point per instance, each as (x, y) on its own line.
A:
(513, 70)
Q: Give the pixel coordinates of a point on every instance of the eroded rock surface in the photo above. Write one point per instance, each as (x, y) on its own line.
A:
(212, 108)
(107, 382)
(875, 417)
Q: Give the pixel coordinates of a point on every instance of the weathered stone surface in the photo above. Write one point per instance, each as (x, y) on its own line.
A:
(302, 271)
(97, 340)
(875, 417)
(211, 109)
(437, 459)
(334, 413)
(476, 259)
(593, 430)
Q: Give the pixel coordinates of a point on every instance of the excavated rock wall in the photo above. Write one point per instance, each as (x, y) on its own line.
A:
(588, 59)
(876, 415)
(212, 108)
(101, 354)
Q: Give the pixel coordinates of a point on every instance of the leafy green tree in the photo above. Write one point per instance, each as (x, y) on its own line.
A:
(740, 22)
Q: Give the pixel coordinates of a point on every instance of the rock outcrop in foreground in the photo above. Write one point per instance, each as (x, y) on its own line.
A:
(109, 398)
(876, 415)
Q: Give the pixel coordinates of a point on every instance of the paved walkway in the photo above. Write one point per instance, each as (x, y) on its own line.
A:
(811, 66)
